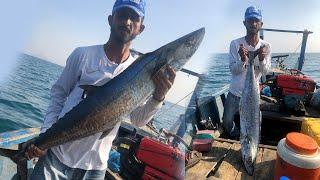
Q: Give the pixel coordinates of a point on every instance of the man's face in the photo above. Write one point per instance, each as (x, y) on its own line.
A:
(125, 25)
(252, 25)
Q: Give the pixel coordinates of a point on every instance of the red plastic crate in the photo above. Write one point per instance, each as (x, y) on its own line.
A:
(203, 140)
(202, 145)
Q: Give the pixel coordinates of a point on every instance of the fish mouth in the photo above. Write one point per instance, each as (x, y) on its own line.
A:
(192, 41)
(249, 165)
(178, 52)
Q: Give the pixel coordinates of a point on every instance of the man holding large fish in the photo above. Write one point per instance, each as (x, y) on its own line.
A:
(99, 87)
(86, 158)
(250, 57)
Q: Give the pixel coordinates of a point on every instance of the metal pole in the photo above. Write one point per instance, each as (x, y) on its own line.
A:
(303, 49)
(286, 31)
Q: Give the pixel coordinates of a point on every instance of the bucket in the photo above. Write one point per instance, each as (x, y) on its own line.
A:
(298, 157)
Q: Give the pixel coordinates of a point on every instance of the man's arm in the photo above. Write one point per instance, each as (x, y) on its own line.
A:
(236, 64)
(144, 113)
(59, 93)
(61, 89)
(163, 82)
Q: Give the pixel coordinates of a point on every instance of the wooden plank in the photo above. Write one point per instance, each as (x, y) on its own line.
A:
(213, 171)
(230, 166)
(282, 117)
(200, 170)
(259, 159)
(226, 140)
(312, 112)
(266, 167)
(242, 175)
(234, 141)
(259, 168)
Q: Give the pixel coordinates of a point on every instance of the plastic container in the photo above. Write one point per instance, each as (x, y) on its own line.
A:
(202, 145)
(203, 141)
(298, 157)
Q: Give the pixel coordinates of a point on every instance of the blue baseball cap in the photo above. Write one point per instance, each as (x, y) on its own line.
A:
(253, 12)
(137, 5)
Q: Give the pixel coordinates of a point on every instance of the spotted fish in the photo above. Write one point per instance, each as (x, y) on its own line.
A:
(250, 117)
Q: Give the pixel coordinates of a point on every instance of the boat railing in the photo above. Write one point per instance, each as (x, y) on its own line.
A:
(12, 138)
(223, 90)
(305, 34)
(191, 72)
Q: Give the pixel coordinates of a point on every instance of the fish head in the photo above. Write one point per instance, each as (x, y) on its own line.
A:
(178, 52)
(249, 164)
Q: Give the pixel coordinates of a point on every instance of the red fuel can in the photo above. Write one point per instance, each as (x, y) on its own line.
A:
(153, 174)
(162, 157)
(299, 85)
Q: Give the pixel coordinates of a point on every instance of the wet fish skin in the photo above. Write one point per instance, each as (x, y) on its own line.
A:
(101, 110)
(250, 117)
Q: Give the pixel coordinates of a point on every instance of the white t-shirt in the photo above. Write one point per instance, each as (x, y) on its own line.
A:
(89, 66)
(238, 68)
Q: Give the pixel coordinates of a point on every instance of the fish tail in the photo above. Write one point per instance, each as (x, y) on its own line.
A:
(15, 155)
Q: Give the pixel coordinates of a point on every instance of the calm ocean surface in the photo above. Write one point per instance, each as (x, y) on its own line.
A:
(25, 94)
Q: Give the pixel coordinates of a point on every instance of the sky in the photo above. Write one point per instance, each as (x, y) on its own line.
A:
(52, 29)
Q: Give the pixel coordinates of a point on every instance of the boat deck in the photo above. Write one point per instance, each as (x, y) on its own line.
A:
(225, 158)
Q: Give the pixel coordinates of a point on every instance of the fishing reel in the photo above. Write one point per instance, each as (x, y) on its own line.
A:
(279, 60)
(208, 124)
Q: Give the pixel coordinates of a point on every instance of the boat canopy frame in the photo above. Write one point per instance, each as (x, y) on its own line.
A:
(303, 44)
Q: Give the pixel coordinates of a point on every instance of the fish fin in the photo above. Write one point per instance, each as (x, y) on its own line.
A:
(88, 89)
(105, 133)
(8, 152)
(15, 155)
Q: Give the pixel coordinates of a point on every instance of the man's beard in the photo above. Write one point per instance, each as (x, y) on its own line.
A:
(121, 38)
(253, 30)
